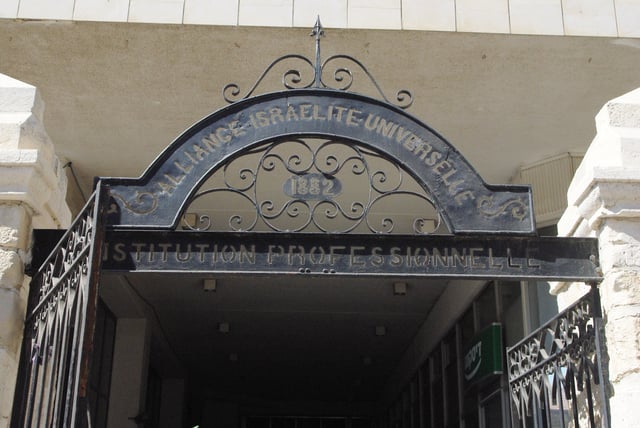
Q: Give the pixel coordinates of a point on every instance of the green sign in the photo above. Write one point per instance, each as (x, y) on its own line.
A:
(483, 357)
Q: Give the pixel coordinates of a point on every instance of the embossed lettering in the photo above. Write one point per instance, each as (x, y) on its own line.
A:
(305, 113)
(333, 255)
(276, 115)
(292, 114)
(376, 258)
(353, 118)
(119, 255)
(316, 113)
(464, 196)
(356, 259)
(339, 111)
(182, 168)
(271, 253)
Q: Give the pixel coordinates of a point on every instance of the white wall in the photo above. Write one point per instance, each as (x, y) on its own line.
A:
(610, 18)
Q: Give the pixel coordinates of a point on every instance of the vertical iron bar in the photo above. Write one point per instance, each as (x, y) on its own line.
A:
(603, 377)
(62, 360)
(35, 349)
(51, 365)
(55, 363)
(88, 299)
(574, 399)
(547, 408)
(524, 411)
(557, 379)
(59, 356)
(318, 32)
(37, 395)
(46, 370)
(70, 395)
(592, 421)
(93, 278)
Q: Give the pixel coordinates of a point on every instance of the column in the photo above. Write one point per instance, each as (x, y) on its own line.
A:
(604, 202)
(32, 195)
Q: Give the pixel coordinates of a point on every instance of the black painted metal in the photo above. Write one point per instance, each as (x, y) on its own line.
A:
(493, 236)
(306, 179)
(466, 203)
(470, 257)
(333, 73)
(319, 106)
(556, 374)
(51, 390)
(44, 241)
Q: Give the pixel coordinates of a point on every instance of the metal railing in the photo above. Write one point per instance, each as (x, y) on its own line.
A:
(557, 374)
(59, 328)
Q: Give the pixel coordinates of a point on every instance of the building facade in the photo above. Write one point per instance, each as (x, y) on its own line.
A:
(512, 86)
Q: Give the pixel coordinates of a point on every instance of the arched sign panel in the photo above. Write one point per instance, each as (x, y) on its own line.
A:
(491, 230)
(466, 203)
(134, 227)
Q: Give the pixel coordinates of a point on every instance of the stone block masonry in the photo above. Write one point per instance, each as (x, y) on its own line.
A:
(604, 201)
(32, 195)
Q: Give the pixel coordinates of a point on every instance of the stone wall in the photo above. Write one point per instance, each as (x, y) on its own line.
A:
(604, 201)
(32, 195)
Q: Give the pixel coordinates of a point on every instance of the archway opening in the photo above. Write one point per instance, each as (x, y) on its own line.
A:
(248, 347)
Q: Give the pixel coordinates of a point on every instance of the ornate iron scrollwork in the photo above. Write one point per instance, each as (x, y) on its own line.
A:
(312, 185)
(318, 76)
(559, 365)
(58, 323)
(516, 207)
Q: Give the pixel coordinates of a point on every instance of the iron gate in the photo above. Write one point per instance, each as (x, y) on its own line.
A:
(490, 233)
(58, 335)
(557, 374)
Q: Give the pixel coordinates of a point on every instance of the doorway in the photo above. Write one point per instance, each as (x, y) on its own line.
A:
(246, 348)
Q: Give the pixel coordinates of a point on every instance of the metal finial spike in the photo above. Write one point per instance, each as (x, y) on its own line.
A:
(318, 29)
(318, 32)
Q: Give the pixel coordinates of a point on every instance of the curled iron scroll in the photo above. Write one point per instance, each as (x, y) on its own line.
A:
(281, 209)
(291, 79)
(344, 77)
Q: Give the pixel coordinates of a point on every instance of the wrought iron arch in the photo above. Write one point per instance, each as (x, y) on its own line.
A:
(467, 204)
(312, 185)
(128, 225)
